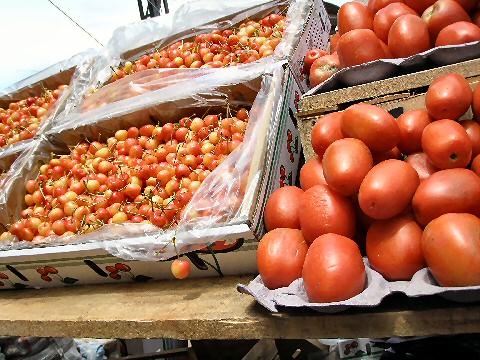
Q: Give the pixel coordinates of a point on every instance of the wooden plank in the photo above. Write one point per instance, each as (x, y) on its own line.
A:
(212, 309)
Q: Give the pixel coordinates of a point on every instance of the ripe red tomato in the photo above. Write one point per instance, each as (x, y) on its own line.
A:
(282, 209)
(359, 46)
(447, 144)
(447, 191)
(334, 42)
(473, 131)
(371, 124)
(451, 246)
(394, 247)
(280, 257)
(421, 164)
(408, 36)
(411, 124)
(448, 97)
(476, 102)
(325, 211)
(476, 165)
(323, 68)
(419, 5)
(311, 174)
(326, 131)
(461, 32)
(443, 13)
(388, 189)
(333, 269)
(353, 15)
(310, 58)
(386, 16)
(345, 164)
(378, 157)
(375, 5)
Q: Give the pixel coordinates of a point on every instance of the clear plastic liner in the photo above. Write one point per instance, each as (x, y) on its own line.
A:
(193, 18)
(63, 73)
(223, 201)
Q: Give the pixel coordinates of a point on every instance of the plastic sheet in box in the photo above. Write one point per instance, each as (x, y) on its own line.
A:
(193, 18)
(228, 192)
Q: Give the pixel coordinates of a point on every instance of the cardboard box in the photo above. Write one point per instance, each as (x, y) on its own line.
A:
(89, 263)
(401, 93)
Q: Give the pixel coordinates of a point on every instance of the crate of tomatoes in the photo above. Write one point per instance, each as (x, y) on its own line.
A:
(178, 174)
(200, 38)
(389, 201)
(382, 39)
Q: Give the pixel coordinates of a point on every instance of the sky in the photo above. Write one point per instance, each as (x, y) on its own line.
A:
(36, 35)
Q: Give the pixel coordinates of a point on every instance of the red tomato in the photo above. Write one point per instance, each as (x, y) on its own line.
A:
(378, 157)
(311, 174)
(408, 36)
(476, 102)
(451, 247)
(385, 18)
(387, 189)
(282, 209)
(345, 164)
(371, 124)
(419, 5)
(447, 144)
(461, 32)
(334, 42)
(325, 211)
(421, 164)
(375, 5)
(323, 68)
(386, 50)
(447, 191)
(473, 131)
(326, 131)
(353, 15)
(280, 257)
(411, 124)
(310, 58)
(448, 97)
(468, 5)
(333, 269)
(443, 13)
(394, 247)
(358, 47)
(476, 165)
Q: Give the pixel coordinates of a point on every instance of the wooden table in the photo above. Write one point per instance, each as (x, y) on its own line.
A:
(213, 309)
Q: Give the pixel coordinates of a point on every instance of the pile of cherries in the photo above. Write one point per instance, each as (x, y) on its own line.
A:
(246, 43)
(22, 119)
(139, 175)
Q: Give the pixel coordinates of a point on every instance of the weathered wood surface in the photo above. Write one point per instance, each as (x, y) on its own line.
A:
(212, 309)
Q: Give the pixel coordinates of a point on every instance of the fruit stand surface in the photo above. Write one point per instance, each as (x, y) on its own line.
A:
(211, 308)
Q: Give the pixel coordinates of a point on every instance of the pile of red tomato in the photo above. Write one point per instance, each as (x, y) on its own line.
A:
(388, 29)
(145, 174)
(22, 119)
(406, 191)
(248, 42)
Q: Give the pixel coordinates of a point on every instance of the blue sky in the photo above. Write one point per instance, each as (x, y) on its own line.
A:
(36, 35)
